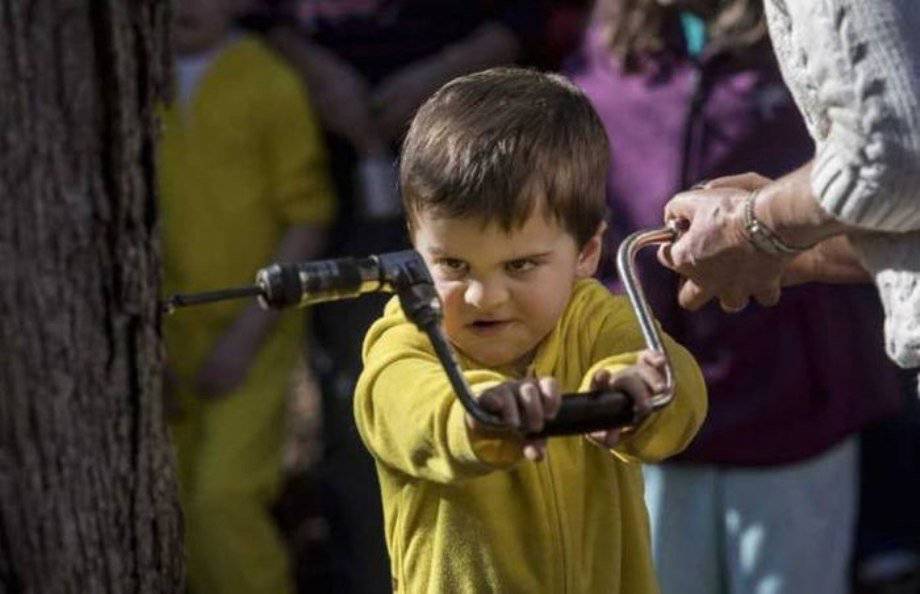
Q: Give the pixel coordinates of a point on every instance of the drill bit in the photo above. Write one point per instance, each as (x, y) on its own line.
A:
(181, 300)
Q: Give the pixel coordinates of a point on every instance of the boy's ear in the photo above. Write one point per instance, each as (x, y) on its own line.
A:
(590, 256)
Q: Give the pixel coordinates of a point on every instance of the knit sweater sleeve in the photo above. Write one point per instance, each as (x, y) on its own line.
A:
(854, 68)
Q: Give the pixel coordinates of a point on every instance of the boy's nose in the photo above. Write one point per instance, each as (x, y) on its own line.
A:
(485, 295)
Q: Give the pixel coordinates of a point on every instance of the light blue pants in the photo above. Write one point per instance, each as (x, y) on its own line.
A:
(777, 530)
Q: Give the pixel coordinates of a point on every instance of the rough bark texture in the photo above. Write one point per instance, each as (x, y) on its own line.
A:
(88, 499)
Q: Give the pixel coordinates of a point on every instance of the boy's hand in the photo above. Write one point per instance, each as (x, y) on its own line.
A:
(524, 406)
(641, 381)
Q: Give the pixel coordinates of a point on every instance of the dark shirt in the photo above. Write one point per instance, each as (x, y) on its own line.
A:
(378, 37)
(786, 382)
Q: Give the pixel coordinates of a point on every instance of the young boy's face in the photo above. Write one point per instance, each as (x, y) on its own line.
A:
(502, 292)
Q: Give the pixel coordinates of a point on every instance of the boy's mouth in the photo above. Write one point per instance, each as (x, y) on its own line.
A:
(488, 326)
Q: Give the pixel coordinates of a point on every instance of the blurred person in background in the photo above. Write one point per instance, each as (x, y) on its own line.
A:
(765, 500)
(369, 64)
(243, 183)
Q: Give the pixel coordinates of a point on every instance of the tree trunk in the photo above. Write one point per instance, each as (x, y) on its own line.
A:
(88, 500)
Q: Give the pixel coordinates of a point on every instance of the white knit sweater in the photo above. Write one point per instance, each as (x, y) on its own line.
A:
(853, 67)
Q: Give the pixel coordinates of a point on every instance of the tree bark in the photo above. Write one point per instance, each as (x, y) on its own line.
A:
(88, 499)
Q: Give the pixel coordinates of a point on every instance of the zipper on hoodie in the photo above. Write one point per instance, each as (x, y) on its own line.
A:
(544, 469)
(561, 540)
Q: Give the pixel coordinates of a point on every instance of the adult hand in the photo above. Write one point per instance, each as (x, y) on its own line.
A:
(338, 92)
(226, 366)
(396, 98)
(343, 101)
(714, 253)
(831, 261)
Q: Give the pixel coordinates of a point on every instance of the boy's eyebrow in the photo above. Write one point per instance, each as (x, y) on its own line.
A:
(436, 251)
(535, 256)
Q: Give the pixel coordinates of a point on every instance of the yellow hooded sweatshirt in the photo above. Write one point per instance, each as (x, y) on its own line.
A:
(465, 515)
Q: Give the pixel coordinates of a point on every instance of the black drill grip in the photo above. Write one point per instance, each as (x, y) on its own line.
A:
(584, 412)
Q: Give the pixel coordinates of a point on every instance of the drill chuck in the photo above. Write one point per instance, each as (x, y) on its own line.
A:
(308, 283)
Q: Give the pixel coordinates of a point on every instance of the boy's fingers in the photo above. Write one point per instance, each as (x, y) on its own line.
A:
(501, 401)
(530, 452)
(652, 377)
(598, 436)
(490, 401)
(511, 414)
(531, 406)
(629, 381)
(535, 450)
(635, 385)
(654, 358)
(552, 399)
(606, 439)
(601, 379)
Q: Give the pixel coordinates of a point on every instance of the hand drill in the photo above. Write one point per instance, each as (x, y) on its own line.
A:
(404, 273)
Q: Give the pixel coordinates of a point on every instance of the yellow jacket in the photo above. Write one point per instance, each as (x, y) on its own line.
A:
(467, 516)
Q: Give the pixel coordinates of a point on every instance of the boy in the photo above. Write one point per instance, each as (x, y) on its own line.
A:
(503, 184)
(243, 183)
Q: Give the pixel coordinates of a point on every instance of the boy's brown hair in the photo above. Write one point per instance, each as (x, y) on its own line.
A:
(495, 144)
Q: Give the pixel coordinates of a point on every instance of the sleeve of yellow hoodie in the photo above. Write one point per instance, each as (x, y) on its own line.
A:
(407, 413)
(613, 338)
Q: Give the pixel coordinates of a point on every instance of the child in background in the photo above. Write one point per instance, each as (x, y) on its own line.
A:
(502, 176)
(243, 183)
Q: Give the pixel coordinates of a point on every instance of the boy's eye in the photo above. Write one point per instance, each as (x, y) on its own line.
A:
(522, 265)
(451, 265)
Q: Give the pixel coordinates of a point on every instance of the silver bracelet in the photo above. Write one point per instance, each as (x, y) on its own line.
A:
(763, 237)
